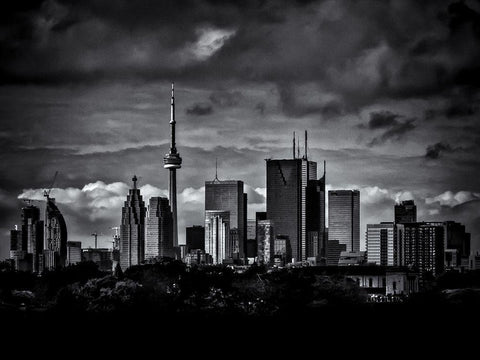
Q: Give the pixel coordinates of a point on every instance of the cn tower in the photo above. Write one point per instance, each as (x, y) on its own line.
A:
(172, 161)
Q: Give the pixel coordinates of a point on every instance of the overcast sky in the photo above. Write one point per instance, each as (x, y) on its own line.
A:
(388, 90)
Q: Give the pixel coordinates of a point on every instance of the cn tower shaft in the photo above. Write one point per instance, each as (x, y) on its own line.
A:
(172, 161)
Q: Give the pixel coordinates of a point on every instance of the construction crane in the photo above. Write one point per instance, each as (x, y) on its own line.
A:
(46, 192)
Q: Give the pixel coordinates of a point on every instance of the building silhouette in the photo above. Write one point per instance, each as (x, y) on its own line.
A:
(344, 218)
(172, 161)
(287, 182)
(380, 239)
(217, 235)
(159, 235)
(405, 212)
(132, 229)
(32, 236)
(228, 195)
(195, 238)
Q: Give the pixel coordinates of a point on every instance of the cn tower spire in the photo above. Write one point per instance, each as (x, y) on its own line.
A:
(172, 161)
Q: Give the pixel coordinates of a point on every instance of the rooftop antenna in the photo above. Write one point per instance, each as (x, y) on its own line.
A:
(298, 147)
(216, 170)
(134, 179)
(324, 168)
(306, 157)
(294, 144)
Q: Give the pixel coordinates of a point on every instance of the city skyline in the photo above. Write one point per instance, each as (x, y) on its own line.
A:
(99, 114)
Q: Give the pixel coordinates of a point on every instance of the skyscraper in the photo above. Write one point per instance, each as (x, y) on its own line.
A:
(287, 181)
(159, 237)
(55, 238)
(132, 229)
(344, 218)
(217, 235)
(316, 238)
(172, 161)
(405, 212)
(32, 235)
(380, 243)
(227, 195)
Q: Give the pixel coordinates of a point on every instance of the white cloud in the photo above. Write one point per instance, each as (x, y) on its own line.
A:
(449, 198)
(209, 42)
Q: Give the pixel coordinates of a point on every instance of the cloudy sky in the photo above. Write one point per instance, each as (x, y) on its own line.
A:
(388, 90)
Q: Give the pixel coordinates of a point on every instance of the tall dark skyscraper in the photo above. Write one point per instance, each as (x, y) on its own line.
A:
(344, 218)
(159, 237)
(227, 195)
(405, 212)
(172, 161)
(132, 229)
(287, 181)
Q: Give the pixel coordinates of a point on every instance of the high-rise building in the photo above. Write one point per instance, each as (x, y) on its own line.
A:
(406, 212)
(227, 195)
(316, 238)
(281, 250)
(380, 243)
(74, 252)
(195, 238)
(421, 246)
(172, 161)
(265, 241)
(287, 181)
(132, 229)
(251, 238)
(32, 235)
(159, 236)
(55, 238)
(457, 240)
(18, 255)
(217, 235)
(344, 218)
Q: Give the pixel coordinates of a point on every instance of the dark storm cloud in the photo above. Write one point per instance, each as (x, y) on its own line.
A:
(225, 98)
(394, 125)
(293, 105)
(359, 50)
(383, 119)
(434, 151)
(199, 109)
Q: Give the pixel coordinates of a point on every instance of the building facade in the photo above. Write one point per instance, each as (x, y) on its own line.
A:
(380, 244)
(405, 212)
(55, 238)
(287, 182)
(132, 229)
(217, 235)
(159, 234)
(74, 252)
(344, 218)
(227, 195)
(265, 241)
